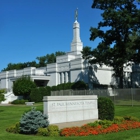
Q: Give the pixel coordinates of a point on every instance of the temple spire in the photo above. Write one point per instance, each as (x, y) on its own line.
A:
(76, 45)
(76, 14)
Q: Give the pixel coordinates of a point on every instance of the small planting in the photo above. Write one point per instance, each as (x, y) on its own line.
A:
(31, 121)
(106, 108)
(101, 127)
(53, 130)
(43, 132)
(14, 128)
(22, 101)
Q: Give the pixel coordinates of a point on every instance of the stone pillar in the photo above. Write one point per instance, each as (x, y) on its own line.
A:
(62, 77)
(66, 77)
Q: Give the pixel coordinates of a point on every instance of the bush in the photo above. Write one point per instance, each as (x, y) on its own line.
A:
(14, 128)
(42, 132)
(31, 121)
(105, 108)
(118, 119)
(131, 118)
(21, 101)
(53, 88)
(79, 85)
(22, 86)
(48, 88)
(53, 130)
(38, 93)
(2, 91)
(35, 96)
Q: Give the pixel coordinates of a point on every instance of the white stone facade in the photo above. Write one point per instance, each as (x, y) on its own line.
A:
(62, 109)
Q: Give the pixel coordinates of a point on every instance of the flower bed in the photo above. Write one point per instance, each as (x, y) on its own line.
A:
(93, 128)
(87, 130)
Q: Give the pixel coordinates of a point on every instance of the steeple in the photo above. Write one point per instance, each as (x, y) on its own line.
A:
(76, 45)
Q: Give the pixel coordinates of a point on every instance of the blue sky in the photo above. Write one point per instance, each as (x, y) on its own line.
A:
(31, 28)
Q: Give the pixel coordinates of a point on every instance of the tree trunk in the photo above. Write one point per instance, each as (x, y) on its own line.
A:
(121, 78)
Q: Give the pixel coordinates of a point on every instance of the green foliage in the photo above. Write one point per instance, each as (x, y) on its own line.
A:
(38, 93)
(53, 88)
(93, 124)
(18, 66)
(64, 86)
(42, 61)
(48, 58)
(43, 132)
(131, 118)
(2, 91)
(118, 119)
(22, 86)
(31, 121)
(105, 108)
(21, 101)
(53, 130)
(79, 85)
(13, 128)
(105, 123)
(116, 48)
(48, 88)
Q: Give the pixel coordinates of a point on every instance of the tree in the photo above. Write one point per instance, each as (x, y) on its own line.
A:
(18, 66)
(79, 85)
(22, 86)
(116, 48)
(48, 58)
(42, 62)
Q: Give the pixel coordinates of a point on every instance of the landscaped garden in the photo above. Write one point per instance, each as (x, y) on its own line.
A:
(12, 114)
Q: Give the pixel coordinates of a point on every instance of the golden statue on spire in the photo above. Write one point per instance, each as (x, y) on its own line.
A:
(76, 14)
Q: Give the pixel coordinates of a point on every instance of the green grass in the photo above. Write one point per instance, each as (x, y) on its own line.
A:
(9, 115)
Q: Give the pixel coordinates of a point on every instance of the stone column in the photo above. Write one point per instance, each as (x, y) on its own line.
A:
(62, 77)
(66, 77)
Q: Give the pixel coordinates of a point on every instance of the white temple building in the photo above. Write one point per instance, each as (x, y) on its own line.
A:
(68, 68)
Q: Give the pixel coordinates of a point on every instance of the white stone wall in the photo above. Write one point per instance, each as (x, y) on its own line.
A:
(70, 108)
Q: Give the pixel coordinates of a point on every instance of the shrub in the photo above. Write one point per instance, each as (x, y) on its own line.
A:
(31, 121)
(93, 124)
(105, 108)
(22, 86)
(130, 118)
(118, 119)
(105, 123)
(53, 130)
(21, 101)
(48, 88)
(14, 128)
(79, 85)
(2, 91)
(42, 132)
(38, 93)
(63, 86)
(53, 88)
(35, 96)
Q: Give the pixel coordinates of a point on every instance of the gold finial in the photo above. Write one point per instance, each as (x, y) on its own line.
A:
(76, 14)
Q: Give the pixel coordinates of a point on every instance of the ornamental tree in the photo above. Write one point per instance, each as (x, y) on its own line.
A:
(22, 86)
(116, 48)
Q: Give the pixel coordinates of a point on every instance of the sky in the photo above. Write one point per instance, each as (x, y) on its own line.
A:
(34, 28)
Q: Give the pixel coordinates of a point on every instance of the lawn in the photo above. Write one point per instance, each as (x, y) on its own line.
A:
(11, 114)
